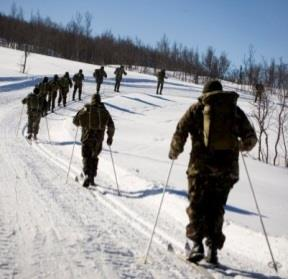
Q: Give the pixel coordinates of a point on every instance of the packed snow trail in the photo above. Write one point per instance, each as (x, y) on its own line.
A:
(49, 229)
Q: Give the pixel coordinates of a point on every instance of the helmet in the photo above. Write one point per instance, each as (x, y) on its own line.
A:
(36, 90)
(96, 99)
(102, 67)
(66, 74)
(212, 85)
(80, 71)
(45, 79)
(56, 77)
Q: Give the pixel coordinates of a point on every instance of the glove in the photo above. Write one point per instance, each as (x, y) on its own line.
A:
(172, 155)
(109, 141)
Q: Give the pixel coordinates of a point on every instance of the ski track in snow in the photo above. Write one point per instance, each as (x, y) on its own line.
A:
(49, 229)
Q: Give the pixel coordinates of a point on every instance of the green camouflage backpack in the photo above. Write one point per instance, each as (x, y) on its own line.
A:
(219, 119)
(94, 117)
(33, 102)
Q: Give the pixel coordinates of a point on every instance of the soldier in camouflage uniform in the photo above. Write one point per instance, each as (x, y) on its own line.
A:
(118, 77)
(43, 92)
(53, 87)
(78, 82)
(211, 173)
(64, 83)
(94, 119)
(259, 90)
(161, 76)
(99, 74)
(34, 112)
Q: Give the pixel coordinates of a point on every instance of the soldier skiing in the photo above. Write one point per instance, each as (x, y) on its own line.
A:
(259, 90)
(94, 119)
(64, 83)
(118, 77)
(219, 129)
(78, 83)
(160, 76)
(53, 87)
(43, 92)
(34, 112)
(99, 75)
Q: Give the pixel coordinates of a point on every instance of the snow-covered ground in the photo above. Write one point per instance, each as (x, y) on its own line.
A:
(50, 229)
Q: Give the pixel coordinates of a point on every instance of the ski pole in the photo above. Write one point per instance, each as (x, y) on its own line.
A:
(19, 120)
(158, 213)
(114, 172)
(259, 214)
(48, 129)
(71, 155)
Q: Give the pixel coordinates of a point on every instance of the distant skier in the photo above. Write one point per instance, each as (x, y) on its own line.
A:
(43, 93)
(94, 118)
(99, 75)
(53, 87)
(161, 76)
(219, 129)
(78, 83)
(34, 112)
(118, 77)
(259, 90)
(65, 83)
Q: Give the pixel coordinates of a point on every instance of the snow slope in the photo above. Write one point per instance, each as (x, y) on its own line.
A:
(50, 229)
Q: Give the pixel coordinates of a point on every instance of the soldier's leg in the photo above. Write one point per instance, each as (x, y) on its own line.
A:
(30, 125)
(80, 92)
(74, 92)
(195, 230)
(118, 85)
(49, 101)
(98, 87)
(60, 97)
(158, 85)
(87, 150)
(54, 95)
(161, 88)
(36, 124)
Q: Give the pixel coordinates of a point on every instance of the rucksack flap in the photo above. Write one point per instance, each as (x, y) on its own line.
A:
(219, 119)
(95, 118)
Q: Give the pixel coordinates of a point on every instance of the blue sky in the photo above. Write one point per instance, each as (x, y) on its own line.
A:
(226, 25)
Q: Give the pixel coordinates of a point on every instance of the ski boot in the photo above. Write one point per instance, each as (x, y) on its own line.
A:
(86, 181)
(211, 256)
(92, 182)
(35, 137)
(197, 253)
(29, 137)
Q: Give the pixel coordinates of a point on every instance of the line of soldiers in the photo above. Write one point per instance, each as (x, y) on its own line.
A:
(219, 130)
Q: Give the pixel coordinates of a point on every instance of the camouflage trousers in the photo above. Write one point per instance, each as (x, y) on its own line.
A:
(33, 122)
(207, 197)
(159, 86)
(117, 84)
(62, 97)
(98, 85)
(90, 152)
(51, 100)
(79, 88)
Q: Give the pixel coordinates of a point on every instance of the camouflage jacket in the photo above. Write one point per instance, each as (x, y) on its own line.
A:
(33, 103)
(43, 89)
(119, 73)
(161, 76)
(78, 79)
(94, 134)
(64, 83)
(53, 85)
(202, 160)
(99, 75)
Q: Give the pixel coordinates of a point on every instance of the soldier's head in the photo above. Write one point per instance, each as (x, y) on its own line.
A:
(163, 70)
(121, 66)
(56, 77)
(96, 99)
(36, 90)
(66, 74)
(80, 71)
(212, 85)
(45, 79)
(102, 68)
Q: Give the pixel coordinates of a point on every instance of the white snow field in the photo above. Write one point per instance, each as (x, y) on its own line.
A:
(53, 229)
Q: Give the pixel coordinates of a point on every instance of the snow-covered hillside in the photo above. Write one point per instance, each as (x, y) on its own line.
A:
(50, 229)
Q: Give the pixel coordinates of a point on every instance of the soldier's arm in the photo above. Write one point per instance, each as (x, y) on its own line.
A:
(110, 127)
(180, 136)
(105, 74)
(247, 133)
(24, 101)
(76, 118)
